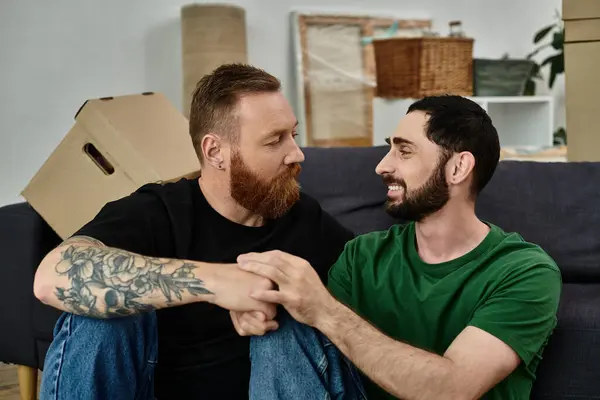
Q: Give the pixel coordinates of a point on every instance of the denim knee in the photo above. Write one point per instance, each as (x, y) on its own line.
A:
(101, 358)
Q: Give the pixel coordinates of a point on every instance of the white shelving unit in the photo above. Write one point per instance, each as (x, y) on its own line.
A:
(523, 122)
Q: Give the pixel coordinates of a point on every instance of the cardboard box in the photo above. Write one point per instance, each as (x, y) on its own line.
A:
(580, 9)
(116, 145)
(582, 63)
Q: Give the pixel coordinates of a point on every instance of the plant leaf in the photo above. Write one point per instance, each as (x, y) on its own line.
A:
(560, 136)
(535, 71)
(529, 88)
(533, 53)
(541, 34)
(561, 63)
(556, 67)
(550, 60)
(558, 40)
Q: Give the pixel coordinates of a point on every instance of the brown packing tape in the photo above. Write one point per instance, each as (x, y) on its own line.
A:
(211, 35)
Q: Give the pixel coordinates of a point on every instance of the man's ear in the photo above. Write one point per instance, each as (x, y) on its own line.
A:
(212, 150)
(462, 165)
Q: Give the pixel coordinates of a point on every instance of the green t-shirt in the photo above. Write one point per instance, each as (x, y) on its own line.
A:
(505, 286)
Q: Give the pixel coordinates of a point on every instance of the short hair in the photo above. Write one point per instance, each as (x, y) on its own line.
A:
(459, 124)
(214, 101)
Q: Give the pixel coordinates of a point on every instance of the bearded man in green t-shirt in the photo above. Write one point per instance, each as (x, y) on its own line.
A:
(445, 306)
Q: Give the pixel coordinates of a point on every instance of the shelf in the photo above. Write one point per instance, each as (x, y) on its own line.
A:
(521, 121)
(513, 99)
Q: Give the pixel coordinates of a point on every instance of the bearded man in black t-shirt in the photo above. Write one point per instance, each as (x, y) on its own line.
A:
(151, 292)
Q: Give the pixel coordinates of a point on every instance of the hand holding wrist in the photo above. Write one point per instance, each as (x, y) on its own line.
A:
(232, 288)
(300, 289)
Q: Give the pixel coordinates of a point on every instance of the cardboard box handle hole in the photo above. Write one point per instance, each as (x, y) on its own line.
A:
(98, 159)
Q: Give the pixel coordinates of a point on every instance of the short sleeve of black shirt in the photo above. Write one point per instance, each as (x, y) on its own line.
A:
(138, 223)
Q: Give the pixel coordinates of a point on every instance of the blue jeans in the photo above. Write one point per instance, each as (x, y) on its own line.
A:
(101, 358)
(115, 359)
(299, 362)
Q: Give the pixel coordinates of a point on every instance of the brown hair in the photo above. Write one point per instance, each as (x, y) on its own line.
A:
(215, 99)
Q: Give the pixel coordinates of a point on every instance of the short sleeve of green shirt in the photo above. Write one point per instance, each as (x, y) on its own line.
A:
(340, 276)
(522, 311)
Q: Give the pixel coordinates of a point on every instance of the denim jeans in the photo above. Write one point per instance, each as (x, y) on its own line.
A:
(115, 359)
(101, 358)
(298, 362)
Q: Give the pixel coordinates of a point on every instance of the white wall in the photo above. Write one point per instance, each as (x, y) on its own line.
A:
(56, 54)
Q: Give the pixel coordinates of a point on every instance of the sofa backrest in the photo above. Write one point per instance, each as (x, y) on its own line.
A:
(555, 205)
(344, 181)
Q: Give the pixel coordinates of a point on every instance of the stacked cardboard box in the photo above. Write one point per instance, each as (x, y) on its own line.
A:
(582, 80)
(116, 145)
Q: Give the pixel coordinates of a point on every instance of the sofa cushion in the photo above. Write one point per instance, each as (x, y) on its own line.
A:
(555, 205)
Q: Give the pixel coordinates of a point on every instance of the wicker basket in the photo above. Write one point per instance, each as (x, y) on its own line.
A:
(425, 66)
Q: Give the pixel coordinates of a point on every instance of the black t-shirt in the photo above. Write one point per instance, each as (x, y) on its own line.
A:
(200, 353)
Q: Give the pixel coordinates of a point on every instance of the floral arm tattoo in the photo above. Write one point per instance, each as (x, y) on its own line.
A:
(107, 282)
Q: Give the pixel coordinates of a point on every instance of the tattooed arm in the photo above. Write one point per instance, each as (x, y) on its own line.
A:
(85, 277)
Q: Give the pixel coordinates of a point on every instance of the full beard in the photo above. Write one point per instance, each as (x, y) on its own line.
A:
(271, 198)
(424, 201)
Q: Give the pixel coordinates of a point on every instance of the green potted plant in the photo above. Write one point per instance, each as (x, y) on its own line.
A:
(555, 37)
(556, 34)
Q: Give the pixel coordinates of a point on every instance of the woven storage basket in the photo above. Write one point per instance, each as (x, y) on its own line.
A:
(418, 67)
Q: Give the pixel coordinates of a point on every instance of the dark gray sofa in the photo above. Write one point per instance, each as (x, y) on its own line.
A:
(554, 205)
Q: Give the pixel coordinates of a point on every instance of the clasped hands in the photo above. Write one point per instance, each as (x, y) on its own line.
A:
(295, 285)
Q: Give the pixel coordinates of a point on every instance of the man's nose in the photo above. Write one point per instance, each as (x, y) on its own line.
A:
(295, 156)
(384, 167)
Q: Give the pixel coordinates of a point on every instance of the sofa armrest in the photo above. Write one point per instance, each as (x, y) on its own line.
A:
(25, 238)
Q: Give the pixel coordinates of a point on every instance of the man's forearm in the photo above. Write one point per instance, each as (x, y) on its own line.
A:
(85, 277)
(403, 370)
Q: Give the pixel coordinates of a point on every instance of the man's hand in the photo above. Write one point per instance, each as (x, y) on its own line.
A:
(253, 323)
(300, 289)
(232, 288)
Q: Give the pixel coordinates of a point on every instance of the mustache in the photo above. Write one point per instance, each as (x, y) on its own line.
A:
(291, 172)
(295, 169)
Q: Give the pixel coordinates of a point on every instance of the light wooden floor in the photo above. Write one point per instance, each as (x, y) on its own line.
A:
(9, 382)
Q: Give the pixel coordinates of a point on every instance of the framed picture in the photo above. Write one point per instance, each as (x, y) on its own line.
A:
(335, 74)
